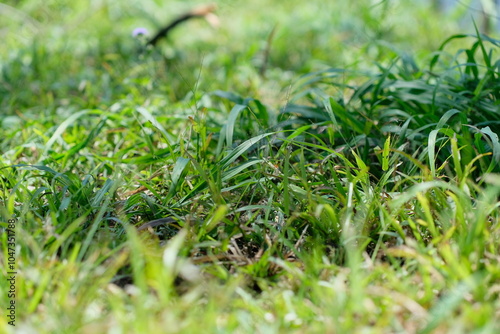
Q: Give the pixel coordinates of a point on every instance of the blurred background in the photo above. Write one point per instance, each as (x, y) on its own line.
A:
(57, 47)
(406, 22)
(485, 12)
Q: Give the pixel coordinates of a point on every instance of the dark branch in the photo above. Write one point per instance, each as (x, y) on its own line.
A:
(197, 12)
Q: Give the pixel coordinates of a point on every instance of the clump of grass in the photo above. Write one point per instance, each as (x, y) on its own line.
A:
(422, 107)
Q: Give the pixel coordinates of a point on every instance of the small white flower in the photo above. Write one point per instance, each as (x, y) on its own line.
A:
(140, 32)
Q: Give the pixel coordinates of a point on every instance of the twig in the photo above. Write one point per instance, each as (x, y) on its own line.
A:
(201, 11)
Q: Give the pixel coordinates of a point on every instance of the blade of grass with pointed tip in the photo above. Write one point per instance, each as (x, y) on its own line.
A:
(236, 170)
(494, 141)
(149, 117)
(231, 122)
(61, 128)
(242, 148)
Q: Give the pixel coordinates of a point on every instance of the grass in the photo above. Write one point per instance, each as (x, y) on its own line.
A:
(347, 182)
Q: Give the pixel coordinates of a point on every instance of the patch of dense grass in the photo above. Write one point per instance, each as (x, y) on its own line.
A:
(198, 187)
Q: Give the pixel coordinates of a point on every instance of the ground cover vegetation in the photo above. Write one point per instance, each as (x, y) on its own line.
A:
(302, 167)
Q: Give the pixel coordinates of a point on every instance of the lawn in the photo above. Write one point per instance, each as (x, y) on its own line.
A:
(272, 167)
